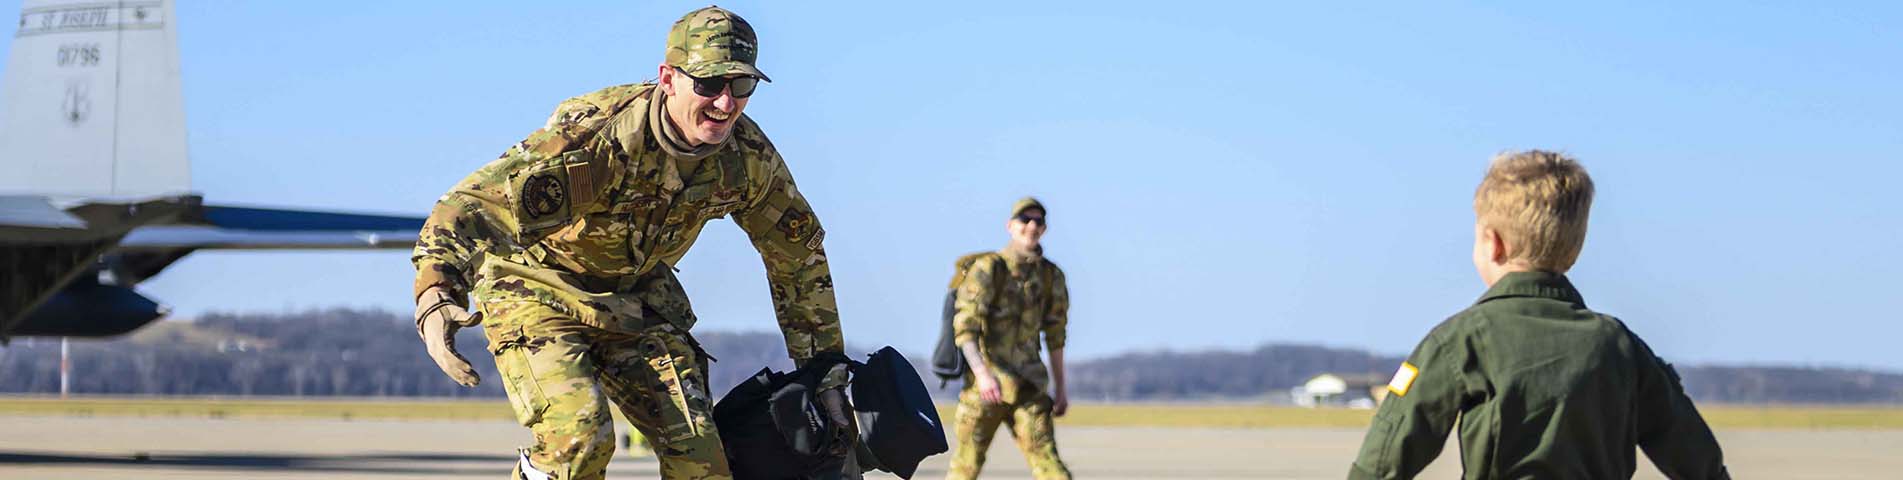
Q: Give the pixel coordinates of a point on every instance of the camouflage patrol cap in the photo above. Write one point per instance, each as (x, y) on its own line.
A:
(1028, 203)
(713, 42)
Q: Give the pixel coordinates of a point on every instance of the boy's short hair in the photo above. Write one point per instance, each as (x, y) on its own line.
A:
(1538, 201)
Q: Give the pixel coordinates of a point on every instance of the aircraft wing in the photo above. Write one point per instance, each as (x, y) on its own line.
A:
(266, 228)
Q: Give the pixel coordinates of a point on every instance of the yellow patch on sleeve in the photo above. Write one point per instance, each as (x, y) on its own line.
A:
(1403, 379)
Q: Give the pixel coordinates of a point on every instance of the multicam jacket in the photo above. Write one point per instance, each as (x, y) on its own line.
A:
(1004, 303)
(589, 214)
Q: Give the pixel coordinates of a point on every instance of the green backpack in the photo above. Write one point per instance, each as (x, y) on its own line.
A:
(948, 362)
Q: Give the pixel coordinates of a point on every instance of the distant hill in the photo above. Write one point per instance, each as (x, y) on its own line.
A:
(343, 352)
(326, 352)
(338, 352)
(1264, 373)
(1267, 373)
(1784, 384)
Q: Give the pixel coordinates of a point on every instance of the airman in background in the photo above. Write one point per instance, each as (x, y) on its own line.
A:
(1006, 302)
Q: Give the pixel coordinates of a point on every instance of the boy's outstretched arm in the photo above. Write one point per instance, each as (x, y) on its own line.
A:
(1423, 401)
(1671, 431)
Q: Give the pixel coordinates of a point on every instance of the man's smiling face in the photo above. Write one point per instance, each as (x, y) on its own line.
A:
(702, 119)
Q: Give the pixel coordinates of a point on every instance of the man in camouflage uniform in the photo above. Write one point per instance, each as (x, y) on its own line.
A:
(1006, 299)
(566, 245)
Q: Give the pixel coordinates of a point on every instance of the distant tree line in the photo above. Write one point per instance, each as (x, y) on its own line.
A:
(317, 353)
(1265, 373)
(343, 352)
(336, 352)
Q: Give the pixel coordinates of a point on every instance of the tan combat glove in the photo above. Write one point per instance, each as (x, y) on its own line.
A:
(438, 316)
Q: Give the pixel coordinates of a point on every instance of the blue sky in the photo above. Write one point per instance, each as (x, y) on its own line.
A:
(1218, 176)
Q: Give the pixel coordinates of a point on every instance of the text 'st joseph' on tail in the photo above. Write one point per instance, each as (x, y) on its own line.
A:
(92, 105)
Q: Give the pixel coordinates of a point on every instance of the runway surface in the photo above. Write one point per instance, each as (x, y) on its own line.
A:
(36, 447)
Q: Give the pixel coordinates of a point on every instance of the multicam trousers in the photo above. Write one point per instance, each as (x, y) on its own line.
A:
(561, 376)
(1030, 423)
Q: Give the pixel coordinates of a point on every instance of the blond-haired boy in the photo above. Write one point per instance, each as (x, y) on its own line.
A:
(1542, 387)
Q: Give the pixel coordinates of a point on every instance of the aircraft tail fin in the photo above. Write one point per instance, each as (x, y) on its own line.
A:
(91, 104)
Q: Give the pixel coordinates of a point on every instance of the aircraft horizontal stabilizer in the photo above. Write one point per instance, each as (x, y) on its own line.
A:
(265, 228)
(249, 218)
(36, 212)
(203, 238)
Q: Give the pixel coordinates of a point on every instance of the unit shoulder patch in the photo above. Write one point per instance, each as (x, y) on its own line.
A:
(543, 195)
(796, 225)
(542, 198)
(1403, 379)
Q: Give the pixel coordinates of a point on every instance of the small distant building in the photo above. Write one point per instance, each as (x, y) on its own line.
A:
(1352, 390)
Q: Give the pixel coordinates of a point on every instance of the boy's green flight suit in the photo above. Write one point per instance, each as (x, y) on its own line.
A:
(1542, 388)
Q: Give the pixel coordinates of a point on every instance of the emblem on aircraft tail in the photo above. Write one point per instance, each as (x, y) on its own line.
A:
(77, 104)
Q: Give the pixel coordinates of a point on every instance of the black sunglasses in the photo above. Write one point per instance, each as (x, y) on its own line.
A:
(743, 85)
(1030, 219)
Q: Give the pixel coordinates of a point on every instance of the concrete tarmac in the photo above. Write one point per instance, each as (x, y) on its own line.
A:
(183, 448)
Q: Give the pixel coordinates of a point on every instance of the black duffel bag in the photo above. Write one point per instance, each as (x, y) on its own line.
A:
(898, 423)
(773, 428)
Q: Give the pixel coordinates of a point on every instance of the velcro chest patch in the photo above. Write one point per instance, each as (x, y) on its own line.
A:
(584, 180)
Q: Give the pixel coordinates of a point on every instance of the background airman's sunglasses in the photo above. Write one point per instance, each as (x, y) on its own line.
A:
(1030, 219)
(710, 87)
